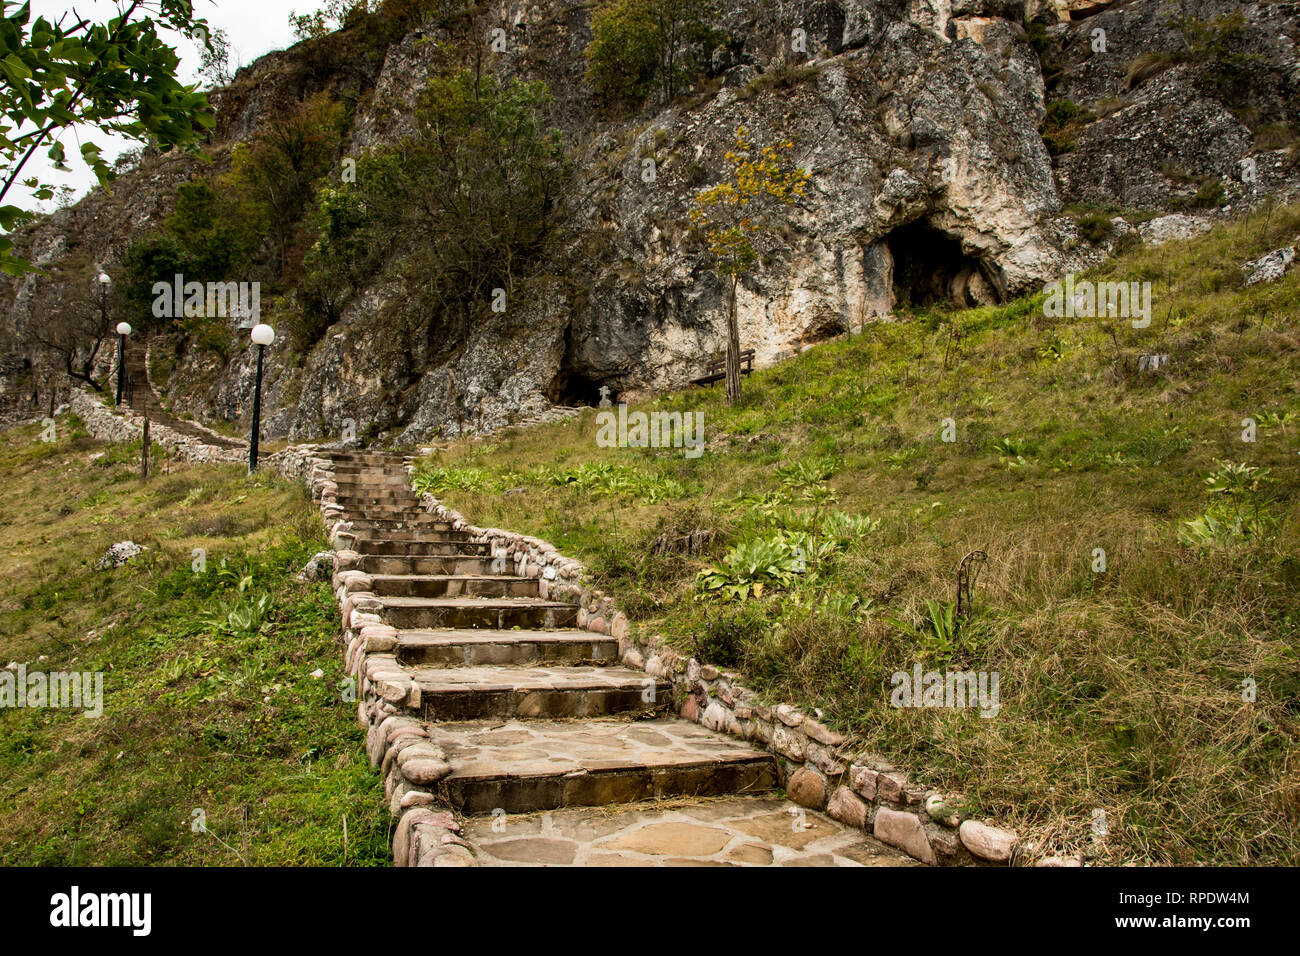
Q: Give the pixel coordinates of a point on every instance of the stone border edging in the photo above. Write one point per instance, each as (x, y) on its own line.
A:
(397, 744)
(819, 767)
(125, 424)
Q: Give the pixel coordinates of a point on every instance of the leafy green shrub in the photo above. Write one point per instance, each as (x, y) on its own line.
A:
(727, 633)
(752, 567)
(1061, 124)
(243, 615)
(940, 637)
(801, 474)
(846, 527)
(639, 47)
(1241, 512)
(462, 207)
(438, 481)
(612, 480)
(1094, 226)
(1211, 195)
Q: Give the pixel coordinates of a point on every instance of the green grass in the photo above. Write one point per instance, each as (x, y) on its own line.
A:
(199, 714)
(1120, 690)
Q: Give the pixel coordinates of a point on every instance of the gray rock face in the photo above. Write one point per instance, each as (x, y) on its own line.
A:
(1269, 267)
(118, 555)
(918, 119)
(1169, 119)
(1137, 158)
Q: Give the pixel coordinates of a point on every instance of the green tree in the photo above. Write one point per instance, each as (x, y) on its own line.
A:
(335, 15)
(639, 47)
(733, 212)
(118, 77)
(460, 208)
(277, 171)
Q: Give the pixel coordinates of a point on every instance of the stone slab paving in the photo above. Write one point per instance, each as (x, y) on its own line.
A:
(435, 680)
(523, 766)
(728, 831)
(466, 648)
(517, 747)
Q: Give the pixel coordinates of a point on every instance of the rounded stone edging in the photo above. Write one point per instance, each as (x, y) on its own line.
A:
(820, 772)
(818, 768)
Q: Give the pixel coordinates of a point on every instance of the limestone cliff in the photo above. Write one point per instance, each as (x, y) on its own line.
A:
(923, 123)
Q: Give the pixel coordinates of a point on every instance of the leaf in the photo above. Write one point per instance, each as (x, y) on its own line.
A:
(16, 67)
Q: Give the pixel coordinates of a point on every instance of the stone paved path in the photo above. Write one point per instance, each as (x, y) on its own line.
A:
(144, 400)
(729, 831)
(557, 755)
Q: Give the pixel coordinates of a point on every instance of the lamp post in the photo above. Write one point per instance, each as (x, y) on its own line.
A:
(123, 330)
(263, 335)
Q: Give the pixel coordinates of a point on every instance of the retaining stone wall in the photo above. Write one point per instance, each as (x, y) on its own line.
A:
(820, 768)
(124, 424)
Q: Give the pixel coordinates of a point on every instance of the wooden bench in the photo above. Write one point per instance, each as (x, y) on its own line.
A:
(716, 370)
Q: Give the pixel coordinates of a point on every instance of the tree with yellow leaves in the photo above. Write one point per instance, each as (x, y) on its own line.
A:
(733, 212)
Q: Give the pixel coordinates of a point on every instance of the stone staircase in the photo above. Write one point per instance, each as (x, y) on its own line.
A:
(516, 709)
(144, 401)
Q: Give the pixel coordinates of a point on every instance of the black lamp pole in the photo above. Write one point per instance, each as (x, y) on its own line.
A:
(257, 413)
(121, 366)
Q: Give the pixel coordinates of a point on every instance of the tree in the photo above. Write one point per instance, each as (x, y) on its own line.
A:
(733, 212)
(118, 76)
(214, 59)
(74, 334)
(278, 170)
(335, 15)
(640, 46)
(460, 208)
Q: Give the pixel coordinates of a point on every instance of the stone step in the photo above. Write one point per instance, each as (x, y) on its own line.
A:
(499, 613)
(422, 522)
(421, 547)
(352, 483)
(366, 457)
(417, 534)
(424, 564)
(386, 510)
(522, 766)
(382, 486)
(476, 648)
(746, 830)
(364, 512)
(453, 585)
(555, 693)
(377, 497)
(358, 471)
(416, 516)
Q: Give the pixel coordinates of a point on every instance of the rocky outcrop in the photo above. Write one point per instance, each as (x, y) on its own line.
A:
(918, 119)
(929, 181)
(1174, 114)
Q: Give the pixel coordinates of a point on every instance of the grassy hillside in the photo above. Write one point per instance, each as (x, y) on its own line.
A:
(1121, 690)
(208, 699)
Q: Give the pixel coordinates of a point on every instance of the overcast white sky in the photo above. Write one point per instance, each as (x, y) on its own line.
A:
(254, 27)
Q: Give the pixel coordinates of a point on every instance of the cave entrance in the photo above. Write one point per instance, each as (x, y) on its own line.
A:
(573, 388)
(931, 269)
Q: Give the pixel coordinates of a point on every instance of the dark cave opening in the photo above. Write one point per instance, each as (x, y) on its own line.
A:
(930, 269)
(573, 388)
